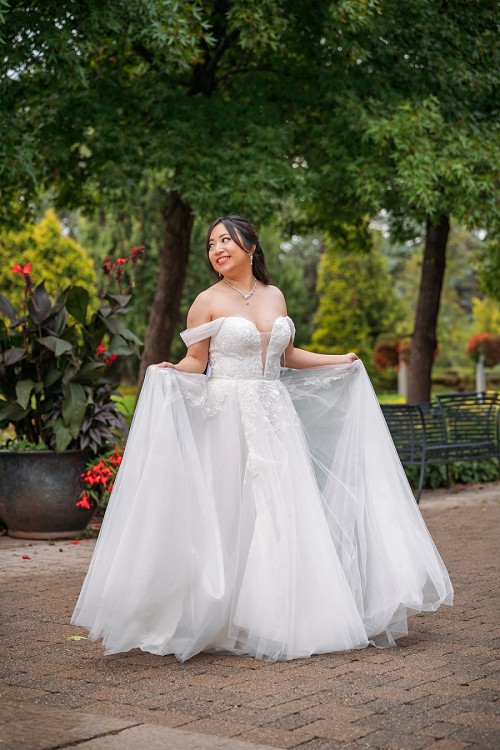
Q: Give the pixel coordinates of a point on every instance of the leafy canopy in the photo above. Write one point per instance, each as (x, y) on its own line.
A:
(97, 99)
(412, 122)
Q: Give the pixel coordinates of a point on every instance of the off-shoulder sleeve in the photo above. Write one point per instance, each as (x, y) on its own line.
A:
(292, 327)
(199, 333)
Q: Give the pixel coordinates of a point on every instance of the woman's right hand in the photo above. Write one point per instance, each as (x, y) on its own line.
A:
(165, 364)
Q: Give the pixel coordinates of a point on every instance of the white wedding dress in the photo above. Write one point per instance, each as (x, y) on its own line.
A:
(258, 511)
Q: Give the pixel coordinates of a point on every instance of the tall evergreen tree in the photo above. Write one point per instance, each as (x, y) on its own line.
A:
(357, 302)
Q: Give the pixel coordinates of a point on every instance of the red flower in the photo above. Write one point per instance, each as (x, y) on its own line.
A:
(101, 349)
(137, 252)
(108, 264)
(21, 270)
(84, 502)
(487, 345)
(110, 359)
(26, 557)
(99, 479)
(121, 261)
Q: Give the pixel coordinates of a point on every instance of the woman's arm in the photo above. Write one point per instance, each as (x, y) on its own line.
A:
(301, 359)
(197, 354)
(195, 360)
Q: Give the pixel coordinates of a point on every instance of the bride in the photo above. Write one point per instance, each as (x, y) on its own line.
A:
(261, 509)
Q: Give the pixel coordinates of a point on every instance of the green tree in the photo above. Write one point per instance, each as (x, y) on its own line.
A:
(56, 258)
(357, 303)
(486, 315)
(460, 289)
(488, 267)
(413, 128)
(100, 103)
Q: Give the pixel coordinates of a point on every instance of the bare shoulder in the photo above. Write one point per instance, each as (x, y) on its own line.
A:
(276, 295)
(201, 310)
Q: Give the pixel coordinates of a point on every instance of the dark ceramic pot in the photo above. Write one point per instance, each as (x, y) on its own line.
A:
(39, 491)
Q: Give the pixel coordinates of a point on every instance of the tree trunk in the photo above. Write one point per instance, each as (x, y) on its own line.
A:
(178, 222)
(423, 345)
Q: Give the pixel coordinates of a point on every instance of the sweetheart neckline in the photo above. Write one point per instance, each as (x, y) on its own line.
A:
(226, 317)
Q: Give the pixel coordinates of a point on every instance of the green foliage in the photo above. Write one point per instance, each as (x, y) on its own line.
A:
(23, 445)
(486, 315)
(488, 266)
(357, 302)
(413, 124)
(181, 94)
(54, 379)
(467, 472)
(57, 259)
(463, 472)
(458, 299)
(293, 264)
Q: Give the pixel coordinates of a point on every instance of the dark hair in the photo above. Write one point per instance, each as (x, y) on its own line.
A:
(245, 235)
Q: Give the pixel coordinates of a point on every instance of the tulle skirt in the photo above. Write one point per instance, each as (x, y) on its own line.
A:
(265, 517)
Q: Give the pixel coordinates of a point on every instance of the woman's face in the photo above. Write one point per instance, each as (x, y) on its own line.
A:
(223, 252)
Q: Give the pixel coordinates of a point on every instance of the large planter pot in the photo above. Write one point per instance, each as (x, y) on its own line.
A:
(39, 491)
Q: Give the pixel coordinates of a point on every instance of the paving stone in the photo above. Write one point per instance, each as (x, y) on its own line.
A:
(219, 727)
(291, 721)
(30, 727)
(272, 737)
(321, 744)
(477, 720)
(478, 738)
(387, 740)
(447, 745)
(160, 738)
(439, 730)
(436, 689)
(334, 730)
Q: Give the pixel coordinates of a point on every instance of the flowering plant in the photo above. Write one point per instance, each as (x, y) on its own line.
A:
(55, 382)
(386, 354)
(99, 479)
(487, 345)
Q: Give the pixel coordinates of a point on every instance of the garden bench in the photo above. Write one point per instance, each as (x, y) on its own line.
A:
(457, 427)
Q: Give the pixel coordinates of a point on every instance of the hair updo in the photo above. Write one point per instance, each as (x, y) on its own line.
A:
(245, 236)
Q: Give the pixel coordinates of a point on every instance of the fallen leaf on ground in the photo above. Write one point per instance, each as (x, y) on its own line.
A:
(76, 638)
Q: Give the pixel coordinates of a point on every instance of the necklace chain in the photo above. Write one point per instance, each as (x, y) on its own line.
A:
(246, 295)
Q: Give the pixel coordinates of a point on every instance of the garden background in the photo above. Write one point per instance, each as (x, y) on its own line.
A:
(360, 136)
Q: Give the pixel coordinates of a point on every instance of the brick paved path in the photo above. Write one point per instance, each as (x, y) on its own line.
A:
(436, 690)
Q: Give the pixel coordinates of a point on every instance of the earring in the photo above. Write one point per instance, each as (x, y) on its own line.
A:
(251, 260)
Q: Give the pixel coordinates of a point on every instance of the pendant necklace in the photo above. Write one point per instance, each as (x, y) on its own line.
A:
(246, 296)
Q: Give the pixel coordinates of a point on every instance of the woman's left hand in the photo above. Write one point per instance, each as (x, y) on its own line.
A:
(351, 357)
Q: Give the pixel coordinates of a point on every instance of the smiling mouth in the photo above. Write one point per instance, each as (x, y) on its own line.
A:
(223, 259)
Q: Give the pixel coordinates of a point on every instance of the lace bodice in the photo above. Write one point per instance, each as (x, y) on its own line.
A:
(238, 350)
